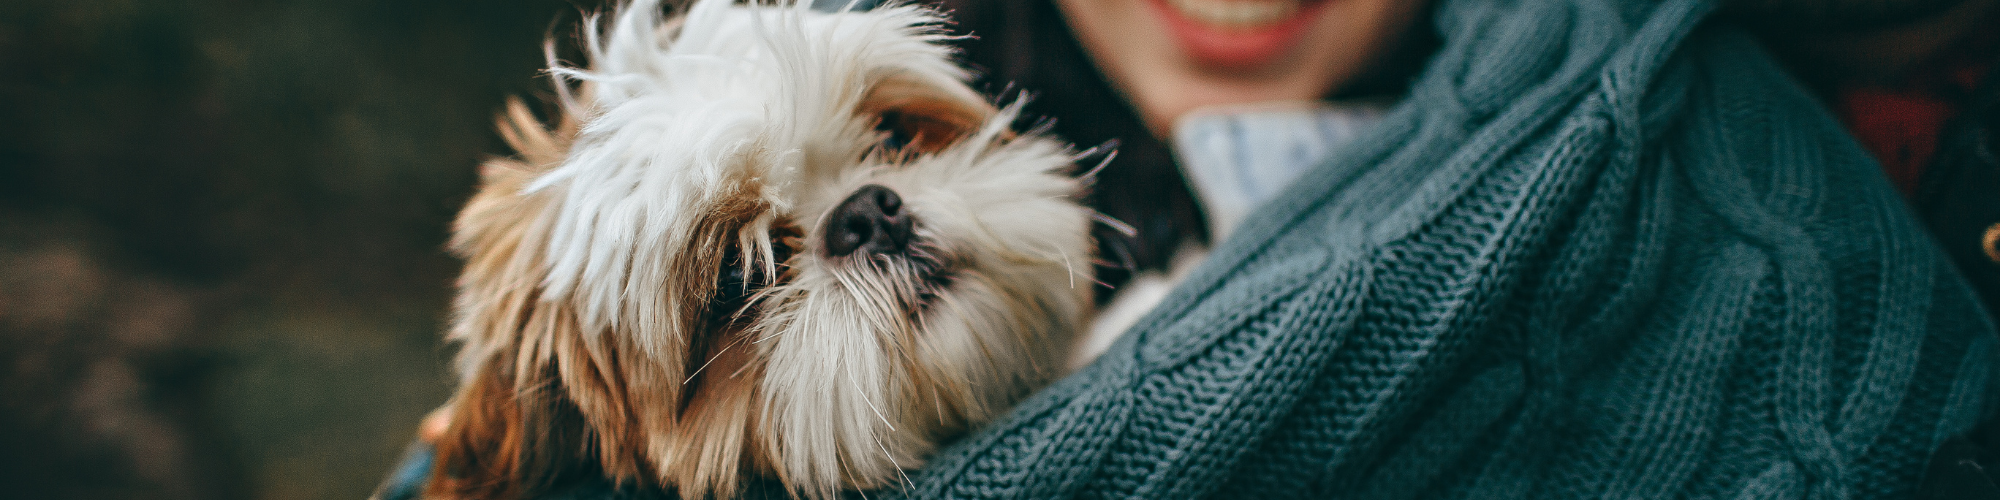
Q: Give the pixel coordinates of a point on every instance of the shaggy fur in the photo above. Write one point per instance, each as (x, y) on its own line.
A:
(647, 294)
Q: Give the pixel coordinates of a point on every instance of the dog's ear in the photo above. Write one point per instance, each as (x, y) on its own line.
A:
(506, 442)
(514, 426)
(925, 116)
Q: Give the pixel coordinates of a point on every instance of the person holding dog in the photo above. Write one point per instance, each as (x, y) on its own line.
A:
(1567, 248)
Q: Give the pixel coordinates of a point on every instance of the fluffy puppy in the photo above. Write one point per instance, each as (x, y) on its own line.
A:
(761, 241)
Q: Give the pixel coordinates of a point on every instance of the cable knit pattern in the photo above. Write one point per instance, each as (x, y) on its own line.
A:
(1603, 250)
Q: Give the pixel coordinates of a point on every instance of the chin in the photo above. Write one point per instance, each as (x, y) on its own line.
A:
(758, 243)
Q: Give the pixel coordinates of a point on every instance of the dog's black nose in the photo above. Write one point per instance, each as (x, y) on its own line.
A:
(871, 221)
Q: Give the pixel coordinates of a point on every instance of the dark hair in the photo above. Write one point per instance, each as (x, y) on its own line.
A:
(1026, 45)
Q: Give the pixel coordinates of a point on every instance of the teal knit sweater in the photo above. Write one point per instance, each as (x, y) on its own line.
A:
(1605, 249)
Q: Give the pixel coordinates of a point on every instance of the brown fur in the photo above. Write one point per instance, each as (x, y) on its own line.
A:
(513, 430)
(549, 395)
(549, 390)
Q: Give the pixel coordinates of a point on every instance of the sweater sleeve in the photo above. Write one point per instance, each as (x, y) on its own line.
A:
(1604, 250)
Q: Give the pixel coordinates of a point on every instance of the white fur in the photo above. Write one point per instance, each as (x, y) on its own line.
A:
(856, 385)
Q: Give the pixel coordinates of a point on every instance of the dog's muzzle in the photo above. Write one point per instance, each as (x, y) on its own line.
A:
(870, 222)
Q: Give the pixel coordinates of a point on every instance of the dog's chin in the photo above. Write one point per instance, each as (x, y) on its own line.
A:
(920, 277)
(871, 357)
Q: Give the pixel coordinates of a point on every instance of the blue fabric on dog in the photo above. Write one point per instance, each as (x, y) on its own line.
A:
(1603, 250)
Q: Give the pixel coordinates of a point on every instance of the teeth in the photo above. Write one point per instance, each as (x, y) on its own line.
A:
(1236, 14)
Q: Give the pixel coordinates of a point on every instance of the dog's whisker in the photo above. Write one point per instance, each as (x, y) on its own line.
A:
(911, 485)
(711, 360)
(1116, 225)
(761, 340)
(1111, 153)
(1068, 266)
(937, 403)
(863, 394)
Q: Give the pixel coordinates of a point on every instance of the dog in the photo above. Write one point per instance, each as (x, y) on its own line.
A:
(761, 241)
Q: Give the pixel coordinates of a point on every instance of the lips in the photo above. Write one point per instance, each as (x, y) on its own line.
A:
(1237, 34)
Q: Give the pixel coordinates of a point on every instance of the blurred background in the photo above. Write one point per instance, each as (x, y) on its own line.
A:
(221, 234)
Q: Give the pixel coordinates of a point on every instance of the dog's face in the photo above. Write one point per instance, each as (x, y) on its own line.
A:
(764, 241)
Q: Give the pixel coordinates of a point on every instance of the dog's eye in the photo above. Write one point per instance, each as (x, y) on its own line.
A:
(921, 116)
(736, 283)
(895, 136)
(732, 283)
(916, 129)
